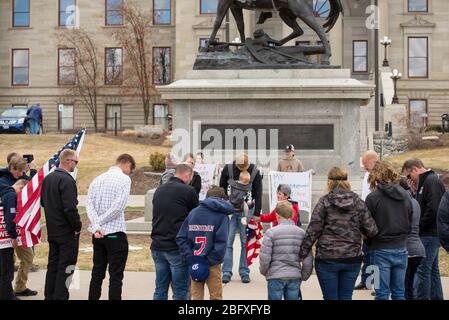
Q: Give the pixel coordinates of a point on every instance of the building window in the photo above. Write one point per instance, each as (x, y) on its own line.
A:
(161, 12)
(66, 67)
(111, 110)
(67, 13)
(418, 6)
(66, 117)
(418, 113)
(161, 65)
(21, 13)
(208, 6)
(114, 66)
(160, 115)
(360, 56)
(418, 57)
(20, 67)
(321, 8)
(114, 12)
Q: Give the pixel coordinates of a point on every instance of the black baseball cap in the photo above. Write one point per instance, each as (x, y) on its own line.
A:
(289, 148)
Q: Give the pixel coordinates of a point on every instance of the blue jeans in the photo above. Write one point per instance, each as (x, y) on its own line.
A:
(392, 264)
(34, 126)
(337, 279)
(366, 263)
(427, 279)
(235, 224)
(170, 269)
(287, 289)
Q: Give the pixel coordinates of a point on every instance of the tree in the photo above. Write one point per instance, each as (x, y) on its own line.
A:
(85, 83)
(134, 38)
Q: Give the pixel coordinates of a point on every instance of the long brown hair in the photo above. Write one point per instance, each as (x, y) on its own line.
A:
(338, 179)
(383, 173)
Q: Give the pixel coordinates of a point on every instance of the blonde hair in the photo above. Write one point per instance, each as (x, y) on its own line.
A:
(284, 209)
(338, 179)
(17, 163)
(66, 154)
(383, 173)
(242, 162)
(21, 183)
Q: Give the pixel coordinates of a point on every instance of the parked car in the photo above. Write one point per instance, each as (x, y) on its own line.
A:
(14, 120)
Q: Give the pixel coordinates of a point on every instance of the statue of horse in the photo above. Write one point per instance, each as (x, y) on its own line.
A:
(289, 12)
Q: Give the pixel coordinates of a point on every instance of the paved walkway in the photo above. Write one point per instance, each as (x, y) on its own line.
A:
(133, 201)
(140, 286)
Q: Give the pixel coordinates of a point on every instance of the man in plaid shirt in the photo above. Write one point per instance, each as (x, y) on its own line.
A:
(106, 203)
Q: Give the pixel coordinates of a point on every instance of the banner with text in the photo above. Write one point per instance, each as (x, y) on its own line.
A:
(299, 182)
(207, 173)
(5, 240)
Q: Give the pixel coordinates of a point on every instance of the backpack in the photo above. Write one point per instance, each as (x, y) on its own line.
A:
(238, 191)
(167, 175)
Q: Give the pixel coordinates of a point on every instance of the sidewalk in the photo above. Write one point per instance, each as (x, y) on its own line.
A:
(140, 285)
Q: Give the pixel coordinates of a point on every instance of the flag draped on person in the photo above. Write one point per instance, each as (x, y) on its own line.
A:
(29, 199)
(253, 240)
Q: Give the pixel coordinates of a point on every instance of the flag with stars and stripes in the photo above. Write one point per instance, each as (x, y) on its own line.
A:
(29, 199)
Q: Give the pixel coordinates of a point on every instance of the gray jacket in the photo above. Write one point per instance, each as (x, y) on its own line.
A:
(279, 255)
(415, 247)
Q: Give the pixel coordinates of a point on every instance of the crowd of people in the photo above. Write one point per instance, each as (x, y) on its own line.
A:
(390, 235)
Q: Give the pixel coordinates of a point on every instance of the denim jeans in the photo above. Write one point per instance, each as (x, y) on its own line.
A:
(287, 289)
(337, 279)
(235, 224)
(34, 126)
(392, 264)
(366, 263)
(427, 279)
(170, 270)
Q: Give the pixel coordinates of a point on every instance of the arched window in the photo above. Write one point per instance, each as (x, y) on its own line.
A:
(321, 8)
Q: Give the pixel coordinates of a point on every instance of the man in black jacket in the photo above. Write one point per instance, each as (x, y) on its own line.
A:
(240, 164)
(429, 191)
(443, 222)
(59, 199)
(172, 203)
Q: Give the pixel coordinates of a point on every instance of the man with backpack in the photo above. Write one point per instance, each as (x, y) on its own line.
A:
(238, 194)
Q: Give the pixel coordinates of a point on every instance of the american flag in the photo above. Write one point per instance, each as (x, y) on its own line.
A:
(29, 200)
(253, 240)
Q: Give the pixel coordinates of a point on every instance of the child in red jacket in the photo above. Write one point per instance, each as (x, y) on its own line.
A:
(283, 193)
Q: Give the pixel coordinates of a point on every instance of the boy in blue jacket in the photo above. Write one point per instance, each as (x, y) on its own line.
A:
(202, 242)
(8, 197)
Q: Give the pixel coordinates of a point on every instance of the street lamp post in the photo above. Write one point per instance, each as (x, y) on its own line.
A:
(386, 42)
(395, 75)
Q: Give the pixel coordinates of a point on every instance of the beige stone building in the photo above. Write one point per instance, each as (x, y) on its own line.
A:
(419, 30)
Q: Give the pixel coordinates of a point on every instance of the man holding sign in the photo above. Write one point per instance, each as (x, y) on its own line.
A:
(8, 237)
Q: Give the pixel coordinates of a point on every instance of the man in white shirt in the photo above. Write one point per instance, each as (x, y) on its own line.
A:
(369, 159)
(106, 202)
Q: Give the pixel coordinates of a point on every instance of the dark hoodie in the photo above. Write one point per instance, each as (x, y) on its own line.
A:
(205, 231)
(391, 208)
(338, 222)
(8, 198)
(6, 177)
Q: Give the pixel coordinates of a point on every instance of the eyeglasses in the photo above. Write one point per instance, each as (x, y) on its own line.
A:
(76, 161)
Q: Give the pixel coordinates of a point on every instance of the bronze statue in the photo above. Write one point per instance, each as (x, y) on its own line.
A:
(289, 11)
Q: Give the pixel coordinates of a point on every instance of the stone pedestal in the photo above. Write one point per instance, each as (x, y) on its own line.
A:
(143, 225)
(316, 110)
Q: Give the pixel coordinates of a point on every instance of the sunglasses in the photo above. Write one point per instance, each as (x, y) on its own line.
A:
(76, 161)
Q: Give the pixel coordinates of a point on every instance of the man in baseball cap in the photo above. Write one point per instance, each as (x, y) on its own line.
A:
(289, 163)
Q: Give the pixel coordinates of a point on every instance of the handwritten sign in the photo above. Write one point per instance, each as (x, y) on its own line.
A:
(299, 182)
(207, 172)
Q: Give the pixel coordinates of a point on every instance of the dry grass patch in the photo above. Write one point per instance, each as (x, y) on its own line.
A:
(97, 155)
(432, 158)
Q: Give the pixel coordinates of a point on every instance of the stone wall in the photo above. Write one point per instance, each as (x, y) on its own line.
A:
(387, 146)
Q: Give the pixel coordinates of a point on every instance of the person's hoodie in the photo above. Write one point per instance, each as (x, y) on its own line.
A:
(205, 231)
(6, 177)
(338, 222)
(391, 208)
(9, 203)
